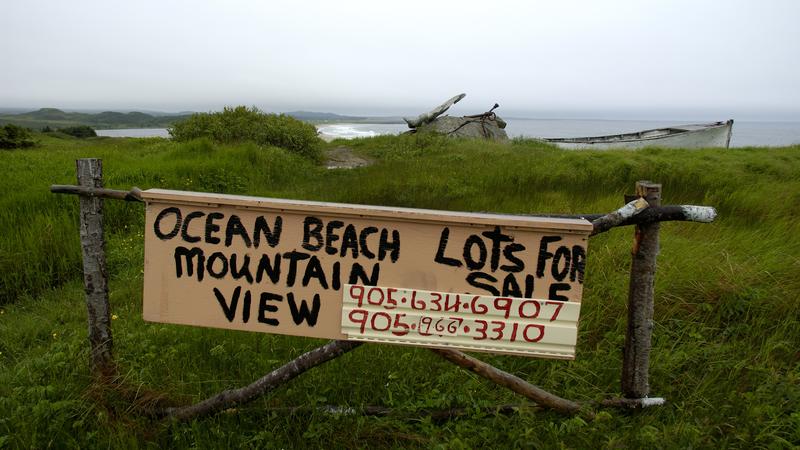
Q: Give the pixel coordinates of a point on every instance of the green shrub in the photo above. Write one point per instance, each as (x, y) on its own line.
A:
(242, 124)
(13, 136)
(79, 131)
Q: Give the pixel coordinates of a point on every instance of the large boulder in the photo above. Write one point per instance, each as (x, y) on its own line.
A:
(487, 126)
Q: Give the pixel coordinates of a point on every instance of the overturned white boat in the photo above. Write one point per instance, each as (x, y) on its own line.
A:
(717, 134)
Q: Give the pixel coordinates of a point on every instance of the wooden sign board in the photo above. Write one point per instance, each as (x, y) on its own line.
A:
(483, 282)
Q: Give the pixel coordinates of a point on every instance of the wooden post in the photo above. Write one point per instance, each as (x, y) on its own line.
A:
(636, 354)
(95, 280)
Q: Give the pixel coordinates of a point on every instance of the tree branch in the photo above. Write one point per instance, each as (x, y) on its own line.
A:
(507, 380)
(287, 372)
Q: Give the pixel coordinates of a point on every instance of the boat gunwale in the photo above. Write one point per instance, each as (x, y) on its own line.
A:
(605, 139)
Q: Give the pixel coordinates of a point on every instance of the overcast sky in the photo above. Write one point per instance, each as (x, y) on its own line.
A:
(597, 59)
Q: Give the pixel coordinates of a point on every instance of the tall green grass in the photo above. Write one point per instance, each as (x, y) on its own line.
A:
(726, 318)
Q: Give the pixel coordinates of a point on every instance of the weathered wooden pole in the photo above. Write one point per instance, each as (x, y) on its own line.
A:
(267, 383)
(95, 279)
(513, 382)
(636, 354)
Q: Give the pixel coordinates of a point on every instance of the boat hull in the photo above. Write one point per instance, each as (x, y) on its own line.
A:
(716, 134)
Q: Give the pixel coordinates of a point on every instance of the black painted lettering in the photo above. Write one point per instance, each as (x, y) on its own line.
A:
(235, 228)
(562, 253)
(314, 270)
(312, 228)
(474, 279)
(555, 292)
(336, 276)
(185, 228)
(544, 254)
(246, 306)
(350, 241)
(472, 241)
(293, 257)
(243, 271)
(264, 308)
(497, 237)
(516, 264)
(330, 236)
(362, 241)
(578, 263)
(511, 287)
(217, 256)
(393, 246)
(272, 235)
(440, 258)
(195, 262)
(272, 269)
(175, 229)
(302, 312)
(229, 309)
(359, 276)
(212, 228)
(529, 285)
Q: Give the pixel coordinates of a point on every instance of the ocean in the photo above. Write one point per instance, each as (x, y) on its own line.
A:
(745, 133)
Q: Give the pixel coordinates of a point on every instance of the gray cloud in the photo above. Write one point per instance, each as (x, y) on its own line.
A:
(567, 57)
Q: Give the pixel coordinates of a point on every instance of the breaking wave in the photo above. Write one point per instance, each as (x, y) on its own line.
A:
(340, 131)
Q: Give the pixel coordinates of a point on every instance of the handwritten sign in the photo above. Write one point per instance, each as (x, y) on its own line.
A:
(296, 268)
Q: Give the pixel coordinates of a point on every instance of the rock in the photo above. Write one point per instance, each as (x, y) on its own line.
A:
(343, 158)
(485, 127)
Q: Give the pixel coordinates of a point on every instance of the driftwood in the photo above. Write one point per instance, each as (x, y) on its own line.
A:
(633, 215)
(134, 195)
(429, 116)
(231, 398)
(512, 382)
(636, 353)
(95, 278)
(614, 219)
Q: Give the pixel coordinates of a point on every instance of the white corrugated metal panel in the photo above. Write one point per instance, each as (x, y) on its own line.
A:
(520, 326)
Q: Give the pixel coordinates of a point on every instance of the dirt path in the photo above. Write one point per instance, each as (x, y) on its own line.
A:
(342, 157)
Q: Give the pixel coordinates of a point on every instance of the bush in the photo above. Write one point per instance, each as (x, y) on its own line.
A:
(13, 136)
(80, 131)
(240, 124)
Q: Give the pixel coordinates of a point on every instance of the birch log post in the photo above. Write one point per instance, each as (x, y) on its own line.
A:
(95, 280)
(636, 354)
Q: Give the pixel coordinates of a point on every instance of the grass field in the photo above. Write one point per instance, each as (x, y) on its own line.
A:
(725, 344)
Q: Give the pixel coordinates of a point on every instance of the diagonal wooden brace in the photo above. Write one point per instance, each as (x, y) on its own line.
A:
(512, 382)
(265, 384)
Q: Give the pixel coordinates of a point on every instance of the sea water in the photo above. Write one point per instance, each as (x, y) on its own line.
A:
(135, 132)
(745, 133)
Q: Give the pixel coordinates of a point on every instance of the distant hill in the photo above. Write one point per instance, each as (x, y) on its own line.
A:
(311, 116)
(56, 118)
